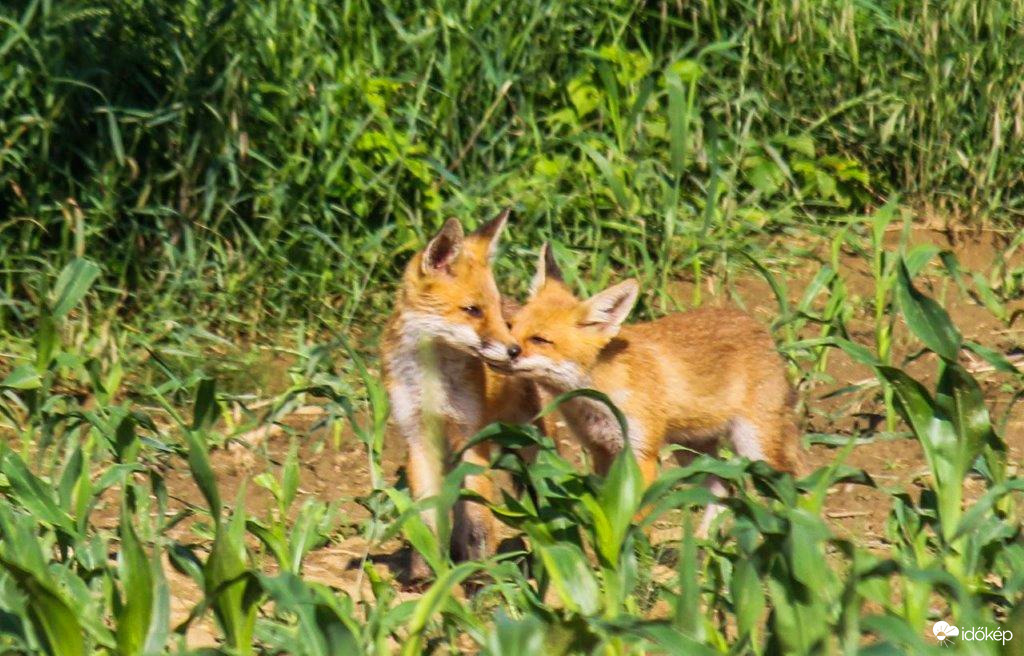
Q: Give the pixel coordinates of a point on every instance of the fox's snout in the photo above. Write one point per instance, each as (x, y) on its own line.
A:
(496, 350)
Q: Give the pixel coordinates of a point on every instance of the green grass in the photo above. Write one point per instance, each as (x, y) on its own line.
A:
(184, 188)
(275, 161)
(775, 578)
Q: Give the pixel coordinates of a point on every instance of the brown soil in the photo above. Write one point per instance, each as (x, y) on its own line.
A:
(340, 474)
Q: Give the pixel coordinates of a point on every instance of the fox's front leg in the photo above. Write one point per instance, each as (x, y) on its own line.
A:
(474, 536)
(424, 471)
(424, 463)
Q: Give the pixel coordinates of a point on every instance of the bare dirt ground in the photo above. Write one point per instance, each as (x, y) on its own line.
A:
(341, 474)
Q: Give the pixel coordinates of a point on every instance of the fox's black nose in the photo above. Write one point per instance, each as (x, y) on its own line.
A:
(514, 351)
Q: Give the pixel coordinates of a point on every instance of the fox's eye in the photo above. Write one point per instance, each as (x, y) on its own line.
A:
(508, 324)
(537, 339)
(473, 311)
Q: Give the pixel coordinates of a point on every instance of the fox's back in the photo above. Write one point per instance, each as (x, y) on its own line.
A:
(702, 361)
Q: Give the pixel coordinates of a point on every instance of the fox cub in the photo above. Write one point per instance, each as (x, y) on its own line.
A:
(449, 320)
(689, 378)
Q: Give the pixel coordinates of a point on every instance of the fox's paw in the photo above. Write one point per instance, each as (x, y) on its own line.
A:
(418, 574)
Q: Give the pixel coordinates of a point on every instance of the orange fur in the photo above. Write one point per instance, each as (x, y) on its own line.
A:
(689, 378)
(449, 319)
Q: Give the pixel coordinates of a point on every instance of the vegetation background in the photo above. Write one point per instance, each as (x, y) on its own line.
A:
(260, 163)
(188, 187)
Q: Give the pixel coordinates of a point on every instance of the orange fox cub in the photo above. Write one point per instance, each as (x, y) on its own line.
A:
(447, 322)
(689, 378)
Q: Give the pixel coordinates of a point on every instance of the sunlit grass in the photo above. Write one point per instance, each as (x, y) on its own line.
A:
(185, 188)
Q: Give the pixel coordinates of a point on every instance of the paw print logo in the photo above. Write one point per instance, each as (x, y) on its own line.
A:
(944, 631)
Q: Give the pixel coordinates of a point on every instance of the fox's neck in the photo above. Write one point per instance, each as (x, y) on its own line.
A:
(445, 380)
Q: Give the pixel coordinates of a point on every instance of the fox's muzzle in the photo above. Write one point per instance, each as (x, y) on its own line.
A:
(498, 355)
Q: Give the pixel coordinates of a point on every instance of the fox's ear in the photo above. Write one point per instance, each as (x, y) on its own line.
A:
(607, 310)
(491, 231)
(444, 248)
(547, 269)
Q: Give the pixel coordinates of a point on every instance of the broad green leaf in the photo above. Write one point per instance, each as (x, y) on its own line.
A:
(54, 622)
(820, 282)
(290, 476)
(184, 560)
(46, 341)
(571, 576)
(274, 540)
(747, 597)
(25, 377)
(584, 95)
(982, 508)
(335, 621)
(801, 143)
(126, 442)
(72, 284)
(926, 318)
(205, 410)
(964, 402)
(919, 257)
(688, 617)
(229, 584)
(70, 478)
(416, 530)
(432, 600)
(306, 532)
(32, 493)
(935, 432)
(619, 498)
(678, 118)
(804, 542)
(763, 174)
(160, 615)
(202, 472)
(881, 219)
(325, 627)
(516, 637)
(938, 439)
(665, 638)
(509, 436)
(136, 612)
(858, 352)
(53, 618)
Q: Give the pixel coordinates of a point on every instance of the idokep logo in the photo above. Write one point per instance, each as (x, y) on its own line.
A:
(944, 632)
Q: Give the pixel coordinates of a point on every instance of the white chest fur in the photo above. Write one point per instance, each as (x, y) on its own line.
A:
(429, 381)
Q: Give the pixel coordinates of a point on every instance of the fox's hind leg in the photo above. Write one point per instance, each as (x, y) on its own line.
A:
(773, 438)
(692, 449)
(789, 456)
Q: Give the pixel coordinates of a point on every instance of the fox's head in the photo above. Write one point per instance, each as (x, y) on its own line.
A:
(560, 336)
(449, 294)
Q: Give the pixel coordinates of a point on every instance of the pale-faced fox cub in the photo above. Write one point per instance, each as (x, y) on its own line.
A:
(448, 321)
(689, 378)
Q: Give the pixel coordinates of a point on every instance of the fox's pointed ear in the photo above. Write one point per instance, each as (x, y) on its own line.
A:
(491, 231)
(547, 269)
(443, 248)
(606, 310)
